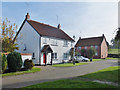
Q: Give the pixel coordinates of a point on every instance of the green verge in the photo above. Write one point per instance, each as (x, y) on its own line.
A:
(34, 69)
(97, 60)
(109, 58)
(68, 64)
(69, 84)
(108, 74)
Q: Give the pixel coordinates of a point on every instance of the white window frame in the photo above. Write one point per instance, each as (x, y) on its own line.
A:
(44, 40)
(54, 55)
(65, 55)
(65, 43)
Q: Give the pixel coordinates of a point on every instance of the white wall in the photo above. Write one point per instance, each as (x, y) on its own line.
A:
(29, 37)
(59, 49)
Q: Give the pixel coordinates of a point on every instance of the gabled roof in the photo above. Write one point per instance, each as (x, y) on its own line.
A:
(50, 31)
(90, 41)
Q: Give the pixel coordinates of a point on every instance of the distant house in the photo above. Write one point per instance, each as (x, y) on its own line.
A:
(99, 43)
(47, 44)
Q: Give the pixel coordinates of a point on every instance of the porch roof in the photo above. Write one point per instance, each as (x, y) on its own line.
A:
(46, 48)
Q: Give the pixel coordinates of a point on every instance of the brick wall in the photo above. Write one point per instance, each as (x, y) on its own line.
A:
(104, 49)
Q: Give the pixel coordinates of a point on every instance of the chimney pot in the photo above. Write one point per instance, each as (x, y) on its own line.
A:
(59, 26)
(27, 16)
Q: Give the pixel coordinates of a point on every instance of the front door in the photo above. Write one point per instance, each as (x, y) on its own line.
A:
(44, 58)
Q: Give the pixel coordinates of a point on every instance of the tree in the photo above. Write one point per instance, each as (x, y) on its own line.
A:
(8, 32)
(83, 52)
(91, 52)
(117, 37)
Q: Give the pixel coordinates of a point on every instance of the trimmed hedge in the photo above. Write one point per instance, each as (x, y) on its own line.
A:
(14, 60)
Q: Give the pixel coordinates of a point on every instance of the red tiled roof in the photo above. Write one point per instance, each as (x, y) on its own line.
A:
(47, 30)
(90, 41)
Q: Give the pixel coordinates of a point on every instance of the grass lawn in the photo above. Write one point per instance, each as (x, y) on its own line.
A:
(108, 74)
(68, 64)
(113, 58)
(97, 60)
(113, 51)
(69, 84)
(34, 69)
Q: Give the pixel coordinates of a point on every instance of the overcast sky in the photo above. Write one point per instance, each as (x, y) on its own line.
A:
(82, 19)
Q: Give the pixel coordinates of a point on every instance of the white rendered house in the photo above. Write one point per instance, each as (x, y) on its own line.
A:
(48, 44)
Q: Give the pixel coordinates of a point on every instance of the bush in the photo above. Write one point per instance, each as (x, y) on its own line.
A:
(4, 63)
(14, 61)
(28, 64)
(76, 62)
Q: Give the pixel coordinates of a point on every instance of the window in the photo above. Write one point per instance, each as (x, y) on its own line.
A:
(65, 43)
(96, 47)
(53, 41)
(44, 40)
(33, 55)
(85, 47)
(71, 44)
(65, 55)
(56, 42)
(91, 46)
(54, 55)
(79, 48)
(96, 54)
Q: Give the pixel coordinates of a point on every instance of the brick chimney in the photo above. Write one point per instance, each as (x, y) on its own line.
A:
(59, 26)
(79, 37)
(27, 16)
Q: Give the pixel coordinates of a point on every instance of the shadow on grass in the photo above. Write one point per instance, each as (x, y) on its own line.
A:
(112, 76)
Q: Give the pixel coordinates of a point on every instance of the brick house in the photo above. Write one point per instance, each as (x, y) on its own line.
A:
(99, 43)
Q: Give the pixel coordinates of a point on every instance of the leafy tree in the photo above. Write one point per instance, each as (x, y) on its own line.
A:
(83, 52)
(117, 37)
(115, 43)
(91, 52)
(8, 32)
(4, 62)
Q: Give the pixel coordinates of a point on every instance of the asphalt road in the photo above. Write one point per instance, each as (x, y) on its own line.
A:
(49, 73)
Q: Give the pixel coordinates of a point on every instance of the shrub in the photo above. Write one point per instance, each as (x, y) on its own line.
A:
(14, 61)
(4, 63)
(28, 64)
(76, 62)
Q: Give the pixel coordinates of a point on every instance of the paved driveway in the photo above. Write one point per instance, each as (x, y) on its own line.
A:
(49, 73)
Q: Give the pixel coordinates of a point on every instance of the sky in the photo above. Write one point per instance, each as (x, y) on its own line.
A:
(82, 19)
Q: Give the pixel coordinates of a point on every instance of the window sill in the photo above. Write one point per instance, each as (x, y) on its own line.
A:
(65, 46)
(54, 59)
(53, 45)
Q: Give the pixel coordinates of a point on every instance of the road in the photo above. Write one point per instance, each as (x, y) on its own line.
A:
(49, 73)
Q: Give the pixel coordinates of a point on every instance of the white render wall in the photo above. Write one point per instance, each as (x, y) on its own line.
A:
(29, 37)
(60, 49)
